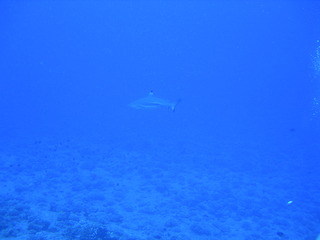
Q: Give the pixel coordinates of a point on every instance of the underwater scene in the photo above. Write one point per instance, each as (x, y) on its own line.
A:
(159, 120)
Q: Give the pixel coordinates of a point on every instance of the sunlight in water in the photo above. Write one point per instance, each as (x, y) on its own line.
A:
(316, 60)
(316, 65)
(316, 107)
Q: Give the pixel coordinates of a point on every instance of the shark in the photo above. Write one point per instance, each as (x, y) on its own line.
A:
(152, 102)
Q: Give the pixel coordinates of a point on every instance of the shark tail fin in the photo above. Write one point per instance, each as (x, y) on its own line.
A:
(174, 105)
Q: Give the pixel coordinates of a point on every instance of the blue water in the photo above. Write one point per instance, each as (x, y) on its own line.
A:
(238, 159)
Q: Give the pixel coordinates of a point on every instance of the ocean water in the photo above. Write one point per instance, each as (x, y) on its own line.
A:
(88, 153)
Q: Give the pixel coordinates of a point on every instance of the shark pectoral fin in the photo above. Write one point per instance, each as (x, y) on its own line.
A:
(173, 106)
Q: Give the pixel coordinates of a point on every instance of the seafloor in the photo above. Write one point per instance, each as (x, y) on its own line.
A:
(72, 190)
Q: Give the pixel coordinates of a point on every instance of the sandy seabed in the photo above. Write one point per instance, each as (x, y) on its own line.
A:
(69, 190)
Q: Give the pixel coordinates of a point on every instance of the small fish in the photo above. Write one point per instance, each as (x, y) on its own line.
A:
(151, 102)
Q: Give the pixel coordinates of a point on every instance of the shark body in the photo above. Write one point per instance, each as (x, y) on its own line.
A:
(152, 102)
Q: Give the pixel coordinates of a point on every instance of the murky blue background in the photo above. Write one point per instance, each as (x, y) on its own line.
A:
(247, 73)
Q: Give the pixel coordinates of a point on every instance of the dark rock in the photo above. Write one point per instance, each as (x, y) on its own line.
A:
(200, 230)
(38, 225)
(10, 233)
(171, 223)
(91, 232)
(38, 236)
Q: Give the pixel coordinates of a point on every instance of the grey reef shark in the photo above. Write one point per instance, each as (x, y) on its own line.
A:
(152, 102)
